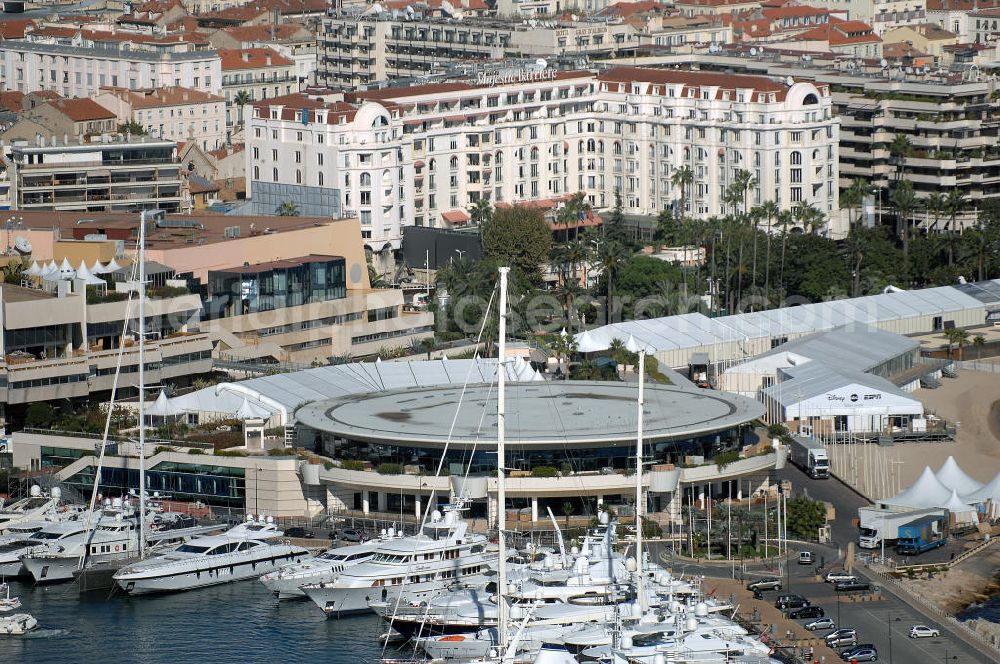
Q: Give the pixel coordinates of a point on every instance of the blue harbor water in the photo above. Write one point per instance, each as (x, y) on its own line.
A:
(239, 623)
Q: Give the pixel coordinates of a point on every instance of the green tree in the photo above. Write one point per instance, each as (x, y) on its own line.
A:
(564, 347)
(131, 127)
(287, 209)
(905, 202)
(241, 99)
(13, 271)
(567, 509)
(899, 150)
(978, 342)
(39, 415)
(480, 212)
(770, 210)
(610, 256)
(806, 516)
(934, 206)
(682, 178)
(520, 237)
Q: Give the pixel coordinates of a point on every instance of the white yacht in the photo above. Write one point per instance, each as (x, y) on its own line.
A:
(33, 508)
(287, 582)
(243, 552)
(34, 535)
(442, 553)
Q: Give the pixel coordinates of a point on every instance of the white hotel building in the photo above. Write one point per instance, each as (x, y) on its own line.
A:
(422, 155)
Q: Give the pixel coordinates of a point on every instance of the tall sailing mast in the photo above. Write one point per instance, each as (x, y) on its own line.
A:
(502, 613)
(639, 502)
(142, 383)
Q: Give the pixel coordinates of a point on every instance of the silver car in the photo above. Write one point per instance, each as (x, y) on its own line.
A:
(820, 623)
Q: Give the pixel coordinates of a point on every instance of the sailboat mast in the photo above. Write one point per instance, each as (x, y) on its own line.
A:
(142, 383)
(502, 617)
(639, 502)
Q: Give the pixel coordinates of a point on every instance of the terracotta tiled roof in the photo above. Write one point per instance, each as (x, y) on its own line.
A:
(14, 29)
(165, 96)
(695, 79)
(455, 216)
(255, 9)
(223, 152)
(11, 100)
(960, 5)
(251, 58)
(840, 33)
(293, 105)
(81, 110)
(260, 33)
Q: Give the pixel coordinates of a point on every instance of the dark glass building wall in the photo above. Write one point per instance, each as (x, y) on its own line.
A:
(213, 485)
(483, 459)
(312, 281)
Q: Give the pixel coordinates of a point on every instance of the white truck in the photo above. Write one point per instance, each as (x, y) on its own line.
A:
(810, 455)
(877, 523)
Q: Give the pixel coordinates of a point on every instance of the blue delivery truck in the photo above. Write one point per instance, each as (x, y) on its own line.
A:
(921, 535)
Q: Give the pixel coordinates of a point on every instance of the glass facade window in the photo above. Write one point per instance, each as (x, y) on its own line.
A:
(270, 286)
(213, 485)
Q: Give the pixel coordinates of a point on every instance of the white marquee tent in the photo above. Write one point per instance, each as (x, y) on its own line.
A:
(926, 492)
(956, 479)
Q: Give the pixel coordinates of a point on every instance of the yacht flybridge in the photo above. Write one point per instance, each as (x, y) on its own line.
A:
(245, 551)
(441, 554)
(287, 582)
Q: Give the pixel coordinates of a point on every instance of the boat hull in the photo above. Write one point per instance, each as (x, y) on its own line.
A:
(337, 600)
(50, 569)
(152, 581)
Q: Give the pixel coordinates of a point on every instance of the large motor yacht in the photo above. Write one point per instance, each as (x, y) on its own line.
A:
(21, 540)
(287, 582)
(245, 551)
(442, 553)
(33, 508)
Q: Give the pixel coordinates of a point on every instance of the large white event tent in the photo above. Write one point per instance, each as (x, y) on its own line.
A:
(952, 489)
(278, 396)
(956, 479)
(738, 336)
(926, 492)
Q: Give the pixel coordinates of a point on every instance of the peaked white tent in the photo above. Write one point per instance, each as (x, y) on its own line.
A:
(35, 270)
(162, 407)
(66, 270)
(50, 272)
(88, 277)
(956, 479)
(926, 492)
(961, 512)
(633, 346)
(989, 491)
(249, 411)
(586, 343)
(98, 268)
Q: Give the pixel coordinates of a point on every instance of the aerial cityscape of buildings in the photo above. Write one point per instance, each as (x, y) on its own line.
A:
(774, 223)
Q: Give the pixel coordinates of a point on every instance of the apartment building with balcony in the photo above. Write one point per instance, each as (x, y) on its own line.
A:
(110, 173)
(533, 135)
(881, 15)
(358, 50)
(176, 114)
(260, 73)
(66, 344)
(954, 129)
(78, 65)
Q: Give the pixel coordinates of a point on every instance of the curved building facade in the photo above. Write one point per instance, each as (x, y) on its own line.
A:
(566, 440)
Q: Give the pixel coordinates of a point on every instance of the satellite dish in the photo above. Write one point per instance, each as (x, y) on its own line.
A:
(789, 81)
(883, 63)
(22, 245)
(541, 63)
(753, 51)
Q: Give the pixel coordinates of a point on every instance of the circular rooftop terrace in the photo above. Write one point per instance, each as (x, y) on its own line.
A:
(565, 413)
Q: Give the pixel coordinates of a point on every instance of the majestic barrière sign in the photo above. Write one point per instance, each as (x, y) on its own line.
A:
(496, 77)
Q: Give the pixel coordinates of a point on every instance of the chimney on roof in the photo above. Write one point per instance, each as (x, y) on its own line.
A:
(246, 56)
(267, 58)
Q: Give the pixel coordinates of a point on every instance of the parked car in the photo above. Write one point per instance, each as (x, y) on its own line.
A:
(767, 583)
(845, 636)
(807, 612)
(836, 575)
(350, 535)
(805, 558)
(852, 586)
(296, 531)
(862, 653)
(923, 631)
(820, 623)
(793, 602)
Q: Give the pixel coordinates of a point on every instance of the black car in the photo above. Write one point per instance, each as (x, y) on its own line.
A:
(792, 602)
(301, 533)
(806, 612)
(852, 586)
(349, 535)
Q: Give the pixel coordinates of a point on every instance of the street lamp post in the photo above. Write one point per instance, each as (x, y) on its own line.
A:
(890, 637)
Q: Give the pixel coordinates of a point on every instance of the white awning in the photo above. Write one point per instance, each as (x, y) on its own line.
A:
(162, 407)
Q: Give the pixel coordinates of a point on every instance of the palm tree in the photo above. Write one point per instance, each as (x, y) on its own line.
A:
(899, 150)
(979, 341)
(785, 220)
(744, 181)
(934, 204)
(953, 204)
(287, 209)
(683, 177)
(480, 212)
(573, 212)
(241, 99)
(905, 202)
(961, 338)
(770, 210)
(610, 256)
